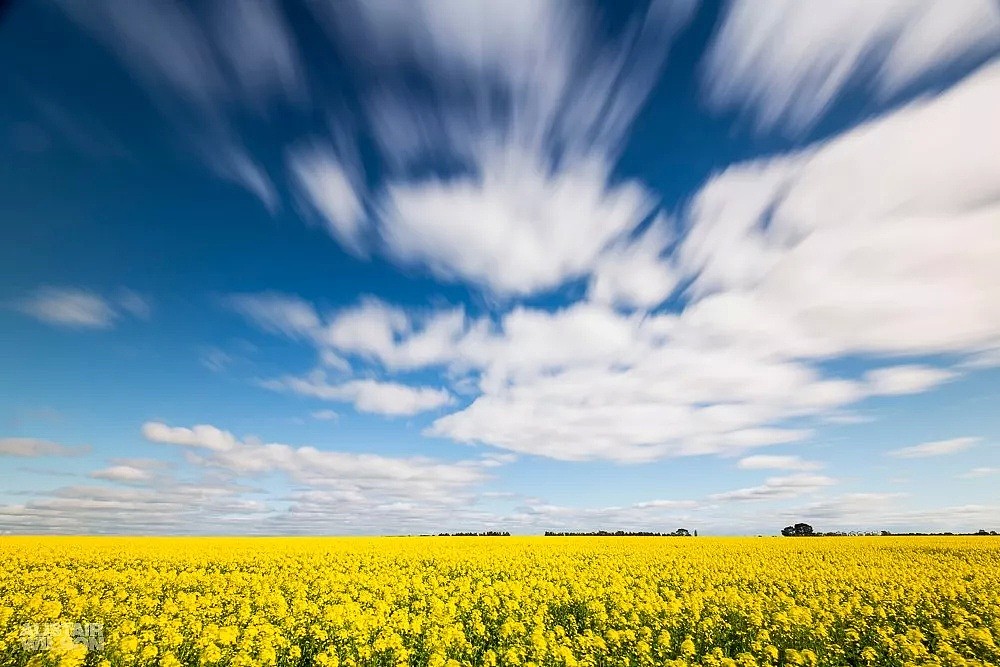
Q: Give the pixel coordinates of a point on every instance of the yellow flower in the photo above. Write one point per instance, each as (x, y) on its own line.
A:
(557, 602)
(211, 654)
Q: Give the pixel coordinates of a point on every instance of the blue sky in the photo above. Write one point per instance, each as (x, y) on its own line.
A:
(286, 267)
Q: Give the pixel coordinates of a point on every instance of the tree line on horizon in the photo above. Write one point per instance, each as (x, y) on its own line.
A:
(805, 530)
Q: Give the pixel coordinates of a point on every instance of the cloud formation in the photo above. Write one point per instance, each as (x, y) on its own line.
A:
(586, 381)
(122, 473)
(786, 62)
(35, 448)
(499, 168)
(777, 488)
(853, 246)
(351, 474)
(859, 244)
(777, 462)
(981, 471)
(333, 189)
(384, 398)
(77, 308)
(206, 67)
(935, 448)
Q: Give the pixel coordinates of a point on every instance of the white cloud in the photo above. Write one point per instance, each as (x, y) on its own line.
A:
(935, 448)
(78, 308)
(333, 190)
(202, 68)
(788, 62)
(350, 473)
(982, 471)
(776, 462)
(543, 64)
(634, 273)
(34, 448)
(847, 418)
(202, 435)
(70, 307)
(587, 381)
(988, 358)
(215, 360)
(878, 241)
(514, 229)
(909, 379)
(860, 245)
(332, 360)
(384, 398)
(176, 508)
(135, 304)
(278, 313)
(324, 415)
(527, 105)
(396, 338)
(371, 329)
(233, 162)
(122, 473)
(174, 57)
(256, 45)
(778, 488)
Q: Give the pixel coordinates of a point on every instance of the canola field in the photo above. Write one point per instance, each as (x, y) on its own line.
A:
(457, 601)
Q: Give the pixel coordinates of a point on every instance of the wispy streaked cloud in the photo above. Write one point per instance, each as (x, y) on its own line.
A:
(787, 62)
(333, 187)
(36, 448)
(69, 307)
(528, 107)
(777, 488)
(384, 398)
(122, 473)
(776, 462)
(935, 448)
(79, 308)
(981, 471)
(204, 67)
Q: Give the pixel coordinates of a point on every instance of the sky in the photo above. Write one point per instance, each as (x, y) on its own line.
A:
(339, 267)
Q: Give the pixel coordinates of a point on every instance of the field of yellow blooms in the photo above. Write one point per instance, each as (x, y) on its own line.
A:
(499, 601)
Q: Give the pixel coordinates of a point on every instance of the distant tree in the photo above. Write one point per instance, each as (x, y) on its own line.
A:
(682, 532)
(798, 530)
